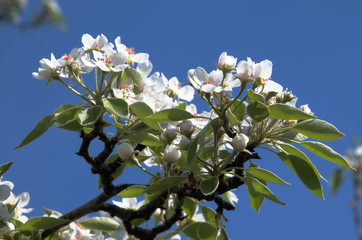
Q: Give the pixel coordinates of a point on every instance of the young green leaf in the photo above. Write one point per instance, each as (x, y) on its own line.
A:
(5, 167)
(293, 150)
(200, 231)
(265, 175)
(164, 183)
(336, 180)
(232, 118)
(171, 115)
(189, 206)
(257, 111)
(43, 125)
(142, 110)
(104, 224)
(90, 115)
(325, 152)
(307, 174)
(261, 189)
(287, 112)
(39, 223)
(132, 191)
(147, 139)
(254, 96)
(66, 113)
(196, 144)
(209, 215)
(209, 186)
(318, 129)
(116, 106)
(256, 200)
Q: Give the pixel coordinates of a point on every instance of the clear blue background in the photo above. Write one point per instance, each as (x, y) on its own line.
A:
(315, 47)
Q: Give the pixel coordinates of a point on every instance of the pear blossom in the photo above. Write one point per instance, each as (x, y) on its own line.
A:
(129, 203)
(125, 150)
(76, 231)
(99, 43)
(48, 68)
(175, 88)
(226, 62)
(240, 141)
(115, 62)
(251, 70)
(132, 56)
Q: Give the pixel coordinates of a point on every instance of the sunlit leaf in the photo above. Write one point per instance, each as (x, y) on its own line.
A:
(116, 106)
(208, 186)
(164, 183)
(257, 111)
(287, 112)
(318, 130)
(132, 191)
(90, 115)
(142, 110)
(266, 175)
(200, 231)
(171, 115)
(38, 223)
(104, 224)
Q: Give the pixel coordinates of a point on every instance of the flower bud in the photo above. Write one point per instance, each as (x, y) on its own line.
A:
(305, 109)
(184, 143)
(171, 132)
(171, 153)
(125, 151)
(186, 128)
(226, 62)
(240, 141)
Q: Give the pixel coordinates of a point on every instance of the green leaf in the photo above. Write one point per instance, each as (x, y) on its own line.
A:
(132, 191)
(254, 96)
(287, 112)
(66, 113)
(307, 174)
(293, 150)
(325, 152)
(104, 224)
(171, 115)
(209, 215)
(200, 231)
(239, 110)
(290, 136)
(196, 144)
(336, 180)
(232, 118)
(72, 125)
(265, 175)
(318, 129)
(257, 111)
(132, 76)
(142, 110)
(147, 139)
(256, 200)
(261, 189)
(5, 167)
(50, 212)
(189, 206)
(43, 125)
(164, 183)
(209, 186)
(116, 106)
(90, 115)
(38, 223)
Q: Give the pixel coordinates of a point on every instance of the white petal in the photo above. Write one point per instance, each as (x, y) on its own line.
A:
(187, 93)
(144, 68)
(102, 41)
(88, 41)
(208, 88)
(140, 57)
(267, 67)
(173, 83)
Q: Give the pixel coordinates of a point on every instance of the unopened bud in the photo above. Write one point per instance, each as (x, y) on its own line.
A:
(186, 128)
(240, 141)
(125, 151)
(171, 132)
(184, 143)
(171, 153)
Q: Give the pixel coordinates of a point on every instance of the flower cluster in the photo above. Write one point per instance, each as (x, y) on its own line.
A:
(200, 156)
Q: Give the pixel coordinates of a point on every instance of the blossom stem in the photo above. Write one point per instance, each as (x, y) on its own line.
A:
(95, 81)
(82, 84)
(71, 89)
(242, 88)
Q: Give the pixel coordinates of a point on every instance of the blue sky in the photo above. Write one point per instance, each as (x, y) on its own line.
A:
(315, 47)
